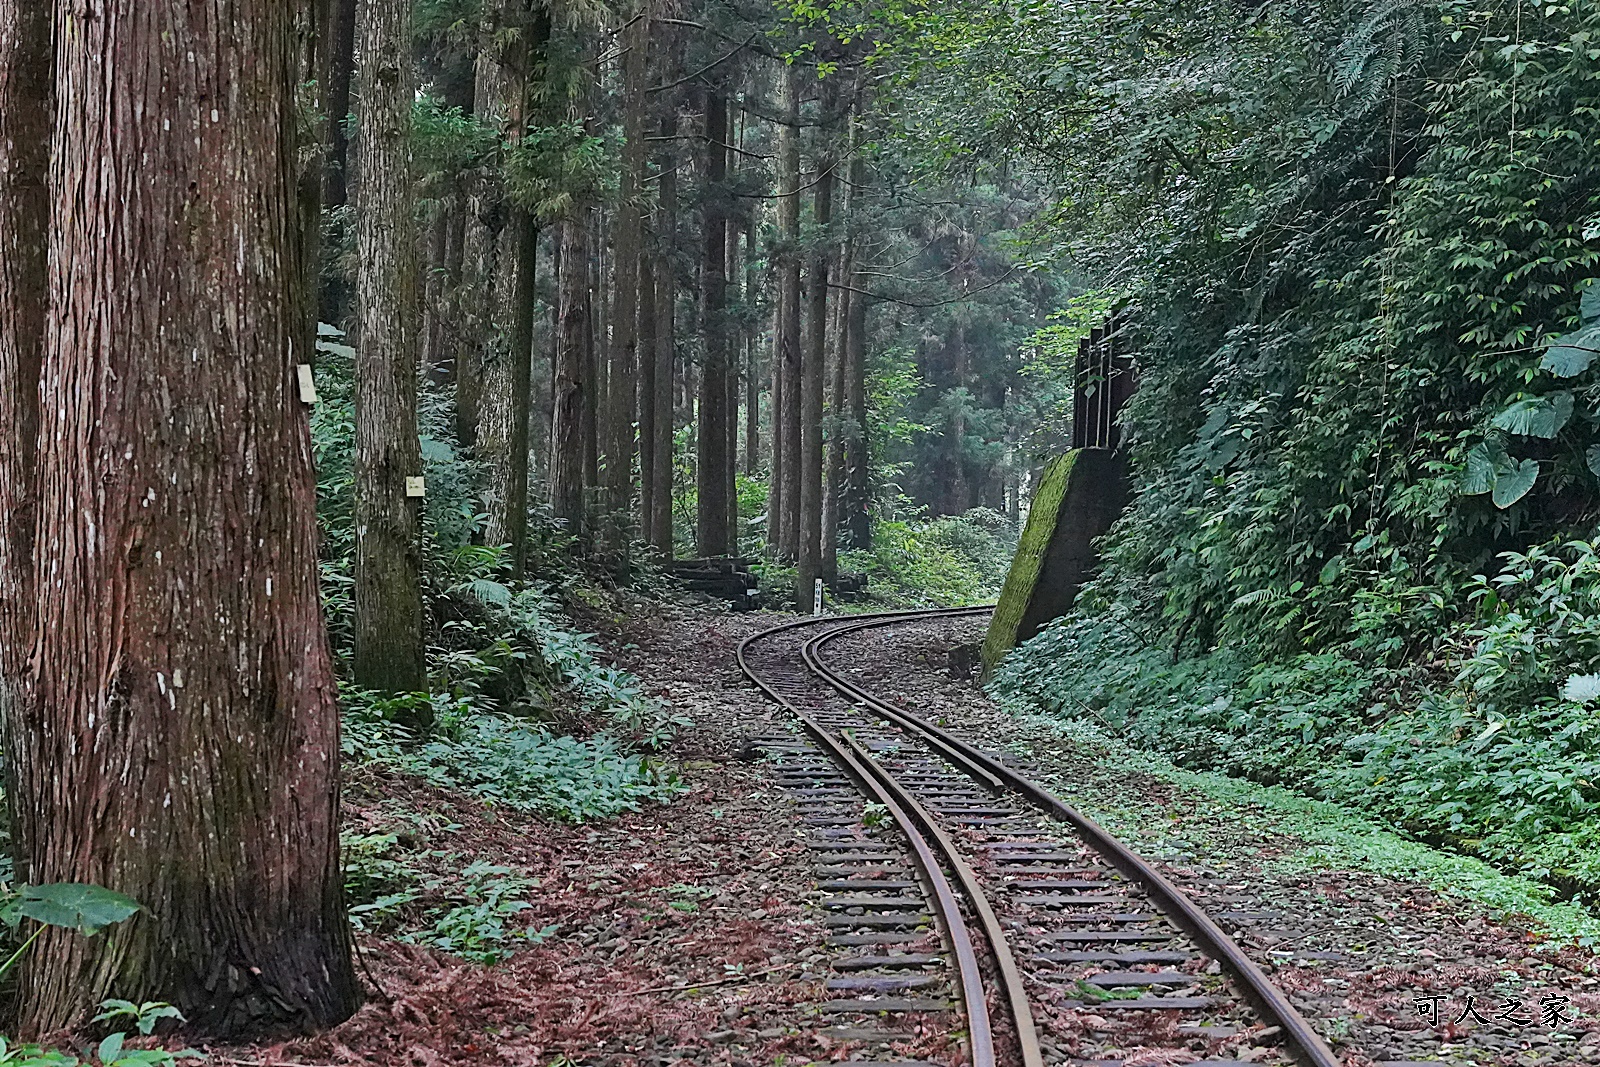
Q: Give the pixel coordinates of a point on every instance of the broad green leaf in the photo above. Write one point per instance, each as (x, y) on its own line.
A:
(1573, 353)
(1581, 688)
(1536, 416)
(76, 906)
(1589, 303)
(1484, 462)
(110, 1047)
(1593, 458)
(1514, 484)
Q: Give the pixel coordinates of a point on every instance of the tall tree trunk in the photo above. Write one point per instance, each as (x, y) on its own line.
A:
(183, 748)
(388, 590)
(341, 31)
(858, 461)
(813, 374)
(567, 465)
(752, 368)
(507, 403)
(833, 475)
(627, 241)
(775, 405)
(664, 420)
(646, 399)
(512, 385)
(856, 493)
(735, 341)
(590, 269)
(789, 321)
(26, 113)
(711, 520)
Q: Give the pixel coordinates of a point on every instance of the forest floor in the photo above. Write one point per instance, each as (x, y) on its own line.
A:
(688, 934)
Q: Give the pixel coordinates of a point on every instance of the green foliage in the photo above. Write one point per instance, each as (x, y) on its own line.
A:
(87, 909)
(944, 562)
(1499, 754)
(471, 911)
(112, 1050)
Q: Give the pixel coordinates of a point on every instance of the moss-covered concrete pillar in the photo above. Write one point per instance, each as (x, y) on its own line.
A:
(1078, 498)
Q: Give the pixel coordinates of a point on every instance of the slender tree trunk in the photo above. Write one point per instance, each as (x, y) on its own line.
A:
(513, 392)
(858, 462)
(433, 290)
(664, 424)
(814, 372)
(711, 523)
(26, 113)
(481, 244)
(646, 399)
(856, 493)
(752, 368)
(833, 476)
(775, 406)
(627, 241)
(567, 464)
(789, 323)
(507, 402)
(341, 32)
(183, 748)
(735, 341)
(388, 592)
(589, 269)
(448, 344)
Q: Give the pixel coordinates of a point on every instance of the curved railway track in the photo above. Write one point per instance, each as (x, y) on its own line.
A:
(1035, 905)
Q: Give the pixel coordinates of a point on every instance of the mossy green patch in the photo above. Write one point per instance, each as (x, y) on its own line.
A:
(1026, 565)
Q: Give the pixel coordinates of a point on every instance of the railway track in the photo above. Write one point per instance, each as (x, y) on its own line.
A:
(953, 883)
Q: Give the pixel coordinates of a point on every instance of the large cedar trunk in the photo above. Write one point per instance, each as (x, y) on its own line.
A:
(813, 374)
(711, 520)
(510, 388)
(388, 590)
(833, 475)
(184, 744)
(571, 379)
(26, 112)
(752, 376)
(788, 534)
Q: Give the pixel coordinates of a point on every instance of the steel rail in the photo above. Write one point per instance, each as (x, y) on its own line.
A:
(947, 908)
(1306, 1044)
(1011, 984)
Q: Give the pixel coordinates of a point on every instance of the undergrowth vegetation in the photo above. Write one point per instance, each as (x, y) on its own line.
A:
(521, 708)
(1489, 742)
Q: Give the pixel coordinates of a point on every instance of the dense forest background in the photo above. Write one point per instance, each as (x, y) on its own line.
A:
(596, 287)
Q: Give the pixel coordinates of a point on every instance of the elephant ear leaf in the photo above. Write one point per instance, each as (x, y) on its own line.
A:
(1589, 302)
(1513, 484)
(1593, 458)
(1483, 467)
(1573, 353)
(1536, 416)
(87, 909)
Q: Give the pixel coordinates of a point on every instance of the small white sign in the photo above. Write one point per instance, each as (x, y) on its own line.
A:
(416, 487)
(816, 607)
(308, 385)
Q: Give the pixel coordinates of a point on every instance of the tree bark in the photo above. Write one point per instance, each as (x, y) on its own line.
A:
(752, 367)
(711, 519)
(664, 421)
(734, 335)
(646, 399)
(26, 112)
(833, 475)
(858, 450)
(622, 385)
(813, 374)
(184, 745)
(571, 383)
(789, 324)
(388, 590)
(341, 72)
(506, 403)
